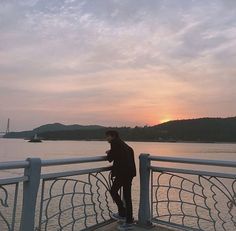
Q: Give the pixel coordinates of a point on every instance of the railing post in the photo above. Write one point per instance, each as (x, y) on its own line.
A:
(144, 214)
(30, 190)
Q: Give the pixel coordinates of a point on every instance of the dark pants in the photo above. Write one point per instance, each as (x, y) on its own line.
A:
(126, 183)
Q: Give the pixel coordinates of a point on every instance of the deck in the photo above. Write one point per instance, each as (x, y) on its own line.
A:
(113, 226)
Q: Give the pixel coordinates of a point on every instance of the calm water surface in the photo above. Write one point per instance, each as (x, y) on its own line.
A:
(17, 149)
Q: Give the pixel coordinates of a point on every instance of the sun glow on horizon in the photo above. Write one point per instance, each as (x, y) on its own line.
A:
(164, 120)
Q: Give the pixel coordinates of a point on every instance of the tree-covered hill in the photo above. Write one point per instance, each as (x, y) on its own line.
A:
(191, 130)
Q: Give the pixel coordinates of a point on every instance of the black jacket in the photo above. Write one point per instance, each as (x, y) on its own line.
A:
(122, 156)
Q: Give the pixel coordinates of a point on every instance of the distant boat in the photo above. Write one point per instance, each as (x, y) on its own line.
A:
(35, 139)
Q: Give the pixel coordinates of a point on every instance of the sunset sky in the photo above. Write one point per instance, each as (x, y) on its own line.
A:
(116, 62)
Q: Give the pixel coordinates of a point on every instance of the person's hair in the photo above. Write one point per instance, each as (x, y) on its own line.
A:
(112, 133)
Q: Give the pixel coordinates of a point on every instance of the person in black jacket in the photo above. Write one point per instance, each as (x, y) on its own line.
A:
(123, 171)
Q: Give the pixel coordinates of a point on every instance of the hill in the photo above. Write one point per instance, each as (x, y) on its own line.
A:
(50, 128)
(201, 130)
(190, 130)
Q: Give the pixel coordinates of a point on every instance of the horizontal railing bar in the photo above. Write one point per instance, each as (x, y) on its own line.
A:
(221, 163)
(192, 172)
(73, 160)
(73, 173)
(13, 165)
(13, 180)
(25, 164)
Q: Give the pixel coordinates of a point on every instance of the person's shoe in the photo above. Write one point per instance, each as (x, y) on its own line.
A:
(117, 217)
(126, 226)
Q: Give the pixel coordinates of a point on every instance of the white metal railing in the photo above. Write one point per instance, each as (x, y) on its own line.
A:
(14, 182)
(189, 198)
(63, 195)
(78, 199)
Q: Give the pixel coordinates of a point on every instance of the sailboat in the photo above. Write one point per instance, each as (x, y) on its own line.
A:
(35, 139)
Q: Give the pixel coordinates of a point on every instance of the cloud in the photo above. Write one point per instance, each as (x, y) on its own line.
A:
(90, 58)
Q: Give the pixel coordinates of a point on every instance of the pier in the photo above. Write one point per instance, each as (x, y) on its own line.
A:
(172, 197)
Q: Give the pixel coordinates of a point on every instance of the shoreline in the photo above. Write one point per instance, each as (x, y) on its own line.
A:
(128, 140)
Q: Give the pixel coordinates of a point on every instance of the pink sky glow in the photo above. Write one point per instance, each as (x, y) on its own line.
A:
(116, 63)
